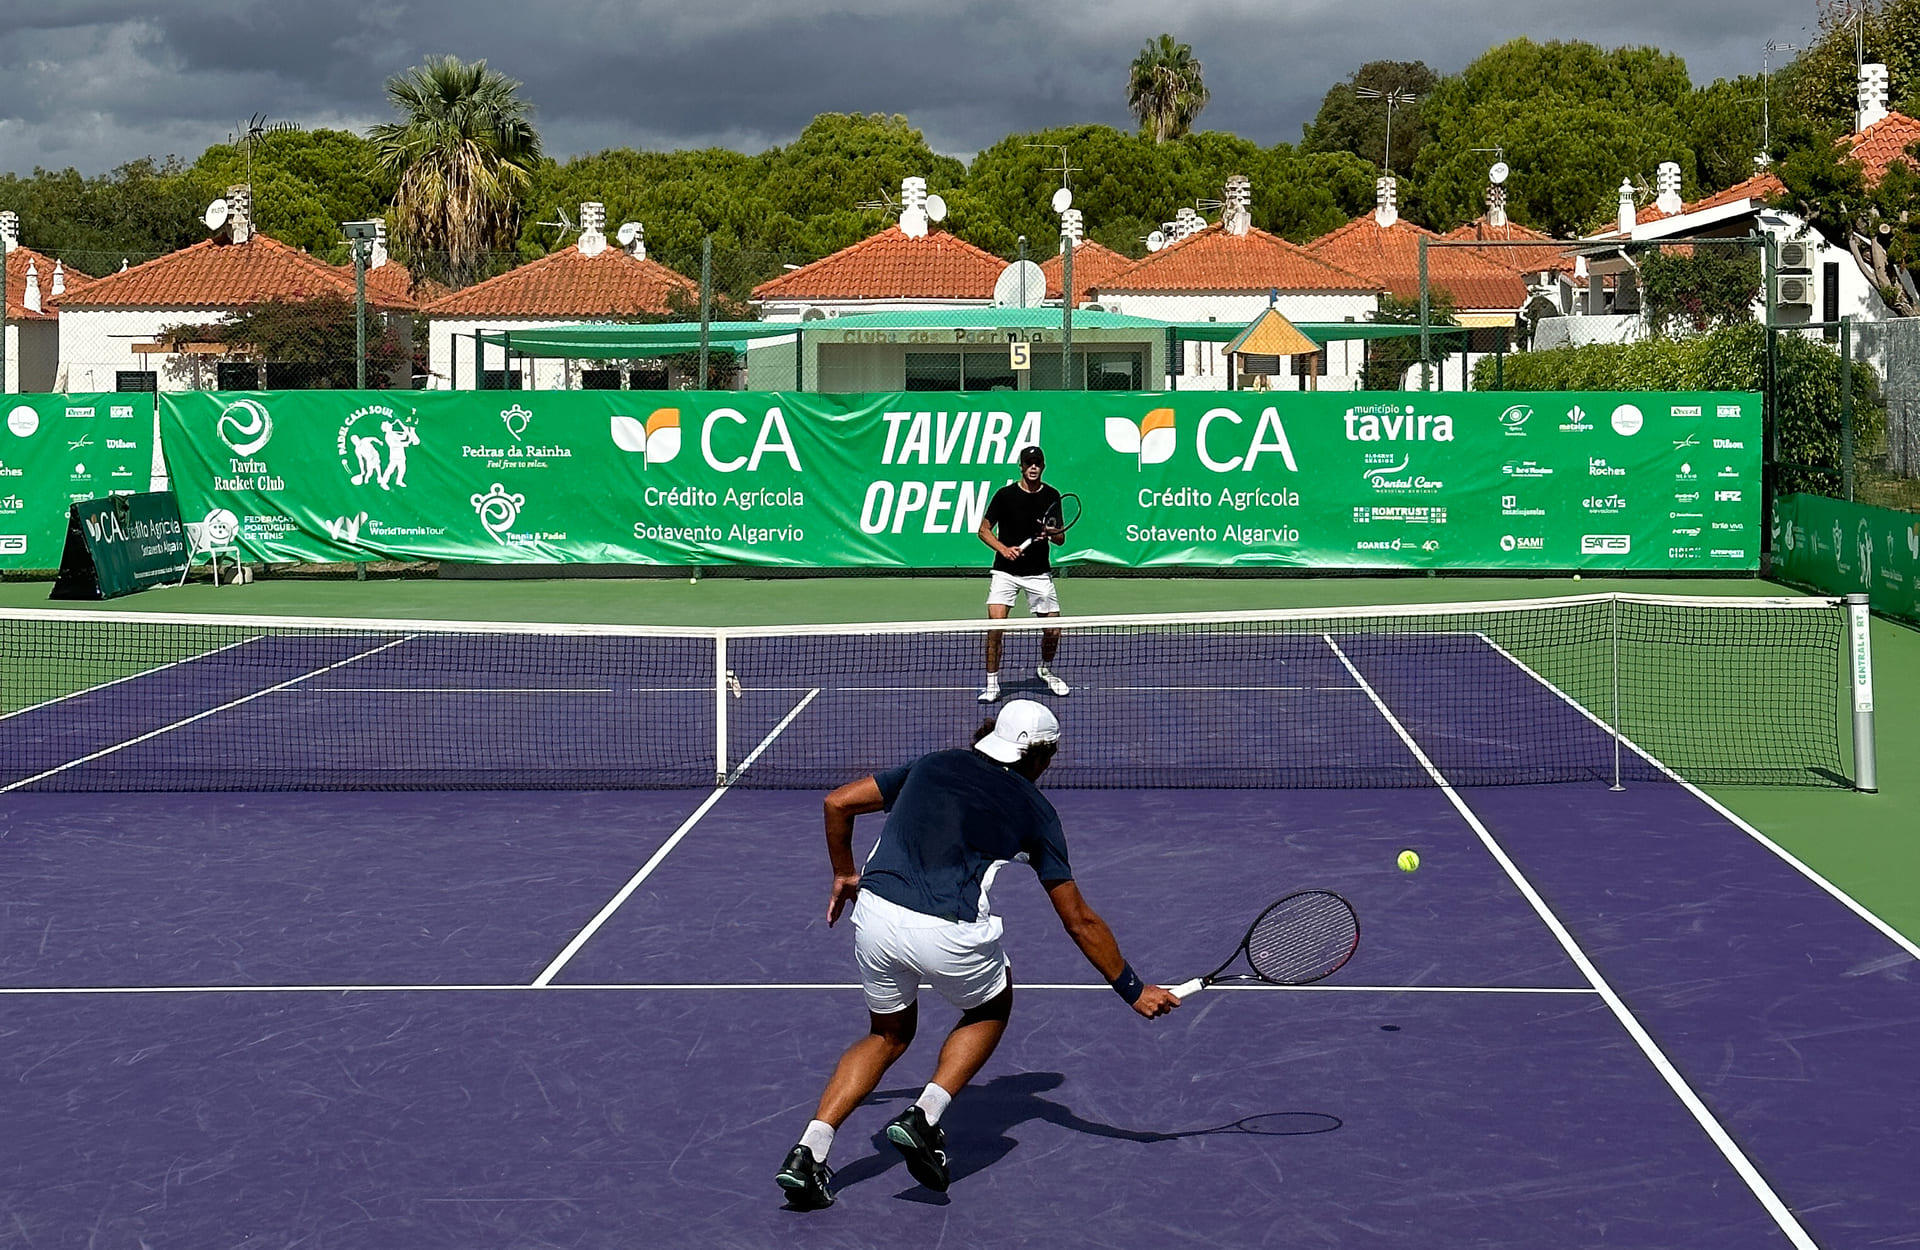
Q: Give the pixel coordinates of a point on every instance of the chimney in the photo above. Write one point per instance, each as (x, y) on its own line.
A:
(1629, 216)
(593, 228)
(377, 254)
(1667, 182)
(1496, 205)
(1237, 215)
(1073, 227)
(1187, 223)
(10, 229)
(1873, 95)
(1386, 195)
(59, 277)
(32, 298)
(913, 207)
(240, 212)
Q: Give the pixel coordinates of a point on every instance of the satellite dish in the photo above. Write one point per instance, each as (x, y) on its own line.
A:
(1156, 241)
(1499, 172)
(1062, 200)
(814, 314)
(628, 232)
(936, 208)
(1022, 284)
(216, 214)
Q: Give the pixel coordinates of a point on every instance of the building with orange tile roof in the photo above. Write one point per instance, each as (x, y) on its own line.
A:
(34, 282)
(1093, 264)
(592, 281)
(112, 327)
(1231, 272)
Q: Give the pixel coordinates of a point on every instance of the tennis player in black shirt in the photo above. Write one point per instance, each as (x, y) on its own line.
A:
(1014, 528)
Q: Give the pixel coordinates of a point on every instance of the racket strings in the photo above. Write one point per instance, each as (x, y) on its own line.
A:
(1303, 938)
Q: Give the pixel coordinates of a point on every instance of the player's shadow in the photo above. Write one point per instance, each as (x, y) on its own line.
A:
(978, 1128)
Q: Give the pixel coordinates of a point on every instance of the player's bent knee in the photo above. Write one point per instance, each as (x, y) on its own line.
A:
(999, 1007)
(895, 1027)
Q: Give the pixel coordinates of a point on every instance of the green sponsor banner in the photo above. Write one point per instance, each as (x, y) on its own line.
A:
(121, 544)
(58, 450)
(1246, 479)
(1843, 548)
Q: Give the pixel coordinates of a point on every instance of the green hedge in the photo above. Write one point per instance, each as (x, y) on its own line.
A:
(1732, 358)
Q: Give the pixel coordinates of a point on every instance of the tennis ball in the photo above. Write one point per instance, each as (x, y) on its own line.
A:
(1576, 577)
(1408, 861)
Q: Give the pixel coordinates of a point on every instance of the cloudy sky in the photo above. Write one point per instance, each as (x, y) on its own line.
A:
(93, 83)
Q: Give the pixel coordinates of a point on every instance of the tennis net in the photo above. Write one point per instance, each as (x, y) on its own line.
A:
(1584, 688)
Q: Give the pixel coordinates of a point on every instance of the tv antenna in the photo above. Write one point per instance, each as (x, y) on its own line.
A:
(1065, 170)
(564, 225)
(1392, 96)
(251, 133)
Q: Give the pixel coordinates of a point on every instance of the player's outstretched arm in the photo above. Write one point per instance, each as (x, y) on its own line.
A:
(853, 799)
(1096, 941)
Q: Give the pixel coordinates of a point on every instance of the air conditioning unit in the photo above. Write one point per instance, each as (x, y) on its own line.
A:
(1795, 255)
(1794, 291)
(814, 314)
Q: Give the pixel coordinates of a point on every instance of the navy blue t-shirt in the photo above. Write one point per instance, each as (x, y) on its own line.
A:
(951, 817)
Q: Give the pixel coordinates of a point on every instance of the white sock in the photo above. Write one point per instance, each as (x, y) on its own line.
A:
(993, 680)
(1043, 670)
(818, 1138)
(933, 1100)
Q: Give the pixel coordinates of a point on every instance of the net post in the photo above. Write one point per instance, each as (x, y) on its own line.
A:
(720, 709)
(1860, 679)
(1614, 629)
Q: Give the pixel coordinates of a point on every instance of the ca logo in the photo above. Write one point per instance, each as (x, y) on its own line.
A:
(1152, 440)
(658, 440)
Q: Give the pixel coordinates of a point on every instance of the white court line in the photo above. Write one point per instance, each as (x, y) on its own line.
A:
(646, 870)
(232, 703)
(145, 672)
(1846, 900)
(1650, 1048)
(703, 986)
(461, 690)
(1122, 689)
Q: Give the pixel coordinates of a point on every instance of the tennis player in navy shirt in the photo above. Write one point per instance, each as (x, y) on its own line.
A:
(921, 913)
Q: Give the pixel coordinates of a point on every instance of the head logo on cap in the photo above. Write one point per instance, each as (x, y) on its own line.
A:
(1022, 723)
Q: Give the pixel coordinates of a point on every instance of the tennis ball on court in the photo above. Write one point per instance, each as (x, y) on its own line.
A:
(1408, 861)
(1576, 577)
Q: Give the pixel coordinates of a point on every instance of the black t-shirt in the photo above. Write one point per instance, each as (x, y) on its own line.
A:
(1015, 514)
(952, 818)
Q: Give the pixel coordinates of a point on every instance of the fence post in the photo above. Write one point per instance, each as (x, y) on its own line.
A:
(706, 304)
(1860, 678)
(1614, 629)
(1846, 406)
(1425, 376)
(720, 708)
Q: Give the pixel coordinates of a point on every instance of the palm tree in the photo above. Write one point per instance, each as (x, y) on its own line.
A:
(1164, 90)
(463, 152)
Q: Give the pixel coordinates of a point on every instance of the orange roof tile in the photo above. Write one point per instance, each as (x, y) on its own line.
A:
(393, 280)
(1093, 264)
(1390, 256)
(218, 273)
(1759, 187)
(889, 265)
(570, 283)
(17, 261)
(1550, 257)
(1883, 143)
(1214, 260)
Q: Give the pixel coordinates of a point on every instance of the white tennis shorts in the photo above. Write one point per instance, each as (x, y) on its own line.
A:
(1041, 595)
(898, 948)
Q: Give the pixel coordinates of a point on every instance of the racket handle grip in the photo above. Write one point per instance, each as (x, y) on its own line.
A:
(1185, 988)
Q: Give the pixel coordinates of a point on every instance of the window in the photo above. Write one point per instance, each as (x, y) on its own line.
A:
(492, 380)
(1830, 296)
(136, 380)
(933, 371)
(1113, 371)
(653, 377)
(1254, 362)
(599, 379)
(990, 371)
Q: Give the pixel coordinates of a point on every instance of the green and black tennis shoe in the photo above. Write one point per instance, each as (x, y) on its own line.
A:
(805, 1180)
(922, 1145)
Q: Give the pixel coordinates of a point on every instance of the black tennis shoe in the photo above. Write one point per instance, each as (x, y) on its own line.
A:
(922, 1145)
(805, 1180)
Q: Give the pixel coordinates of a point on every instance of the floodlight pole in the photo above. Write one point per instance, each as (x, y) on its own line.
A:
(1066, 312)
(706, 303)
(1425, 375)
(359, 315)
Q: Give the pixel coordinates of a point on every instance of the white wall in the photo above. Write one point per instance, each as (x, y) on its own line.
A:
(94, 344)
(1206, 363)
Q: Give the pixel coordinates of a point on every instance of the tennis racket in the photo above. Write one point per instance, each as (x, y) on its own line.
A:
(1303, 938)
(1059, 517)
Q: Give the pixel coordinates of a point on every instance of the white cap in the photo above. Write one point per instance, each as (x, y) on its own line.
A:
(1021, 724)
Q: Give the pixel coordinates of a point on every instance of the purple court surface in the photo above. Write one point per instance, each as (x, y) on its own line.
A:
(581, 1018)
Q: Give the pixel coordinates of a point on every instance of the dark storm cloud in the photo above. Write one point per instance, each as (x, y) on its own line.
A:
(96, 82)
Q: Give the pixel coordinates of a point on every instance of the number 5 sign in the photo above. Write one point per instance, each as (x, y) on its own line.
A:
(1020, 355)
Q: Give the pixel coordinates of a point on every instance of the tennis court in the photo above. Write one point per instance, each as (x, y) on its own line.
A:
(325, 935)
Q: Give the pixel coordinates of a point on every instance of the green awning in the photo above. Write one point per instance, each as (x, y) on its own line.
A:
(621, 341)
